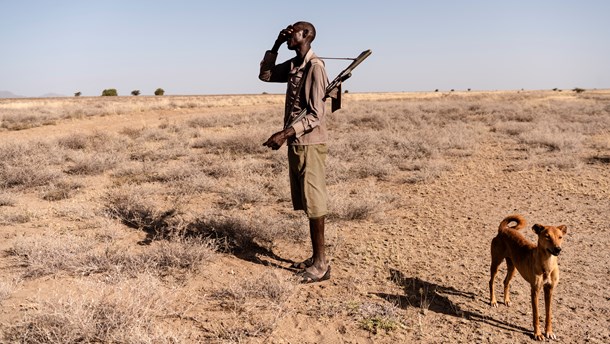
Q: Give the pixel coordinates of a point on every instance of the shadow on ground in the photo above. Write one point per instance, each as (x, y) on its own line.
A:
(428, 296)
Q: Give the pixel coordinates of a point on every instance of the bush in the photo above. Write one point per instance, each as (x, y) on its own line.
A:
(159, 92)
(77, 94)
(135, 92)
(578, 90)
(109, 92)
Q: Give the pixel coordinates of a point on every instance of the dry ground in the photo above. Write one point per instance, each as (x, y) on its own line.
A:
(163, 219)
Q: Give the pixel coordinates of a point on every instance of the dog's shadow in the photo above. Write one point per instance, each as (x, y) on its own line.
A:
(436, 298)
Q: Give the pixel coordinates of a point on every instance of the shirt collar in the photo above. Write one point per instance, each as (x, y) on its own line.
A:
(307, 58)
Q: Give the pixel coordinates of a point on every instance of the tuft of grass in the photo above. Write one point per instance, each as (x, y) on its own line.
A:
(52, 254)
(378, 317)
(62, 189)
(133, 206)
(258, 304)
(8, 285)
(25, 121)
(91, 164)
(124, 313)
(27, 165)
(6, 199)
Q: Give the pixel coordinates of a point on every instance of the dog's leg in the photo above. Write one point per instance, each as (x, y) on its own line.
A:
(535, 315)
(548, 298)
(510, 273)
(495, 264)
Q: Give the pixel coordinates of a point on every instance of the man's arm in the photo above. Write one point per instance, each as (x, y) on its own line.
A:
(269, 71)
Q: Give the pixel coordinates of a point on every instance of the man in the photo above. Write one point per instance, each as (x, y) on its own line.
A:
(306, 77)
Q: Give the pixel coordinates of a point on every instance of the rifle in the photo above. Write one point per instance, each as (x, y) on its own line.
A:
(335, 84)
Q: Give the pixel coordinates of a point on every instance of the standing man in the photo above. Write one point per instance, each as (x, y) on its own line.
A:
(306, 77)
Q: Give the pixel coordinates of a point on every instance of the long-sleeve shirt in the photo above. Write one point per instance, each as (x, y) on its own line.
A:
(311, 129)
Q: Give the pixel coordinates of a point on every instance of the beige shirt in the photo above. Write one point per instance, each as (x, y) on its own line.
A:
(311, 129)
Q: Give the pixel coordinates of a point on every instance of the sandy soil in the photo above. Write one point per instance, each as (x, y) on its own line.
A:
(428, 257)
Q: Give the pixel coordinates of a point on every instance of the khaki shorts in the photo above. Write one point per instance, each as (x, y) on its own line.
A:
(307, 169)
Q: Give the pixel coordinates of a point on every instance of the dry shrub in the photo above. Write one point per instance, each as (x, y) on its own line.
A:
(375, 317)
(512, 128)
(16, 216)
(271, 287)
(132, 133)
(257, 305)
(360, 203)
(551, 139)
(128, 312)
(46, 255)
(242, 143)
(27, 165)
(25, 121)
(134, 206)
(213, 165)
(6, 199)
(236, 232)
(92, 164)
(61, 189)
(8, 285)
(424, 170)
(217, 120)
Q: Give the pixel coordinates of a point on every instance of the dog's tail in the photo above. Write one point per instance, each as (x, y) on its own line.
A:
(512, 218)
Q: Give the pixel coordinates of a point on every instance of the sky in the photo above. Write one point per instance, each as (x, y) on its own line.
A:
(215, 47)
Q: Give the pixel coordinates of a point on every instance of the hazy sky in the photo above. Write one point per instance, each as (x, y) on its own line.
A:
(214, 47)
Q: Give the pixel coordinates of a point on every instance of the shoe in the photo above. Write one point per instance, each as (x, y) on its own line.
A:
(307, 277)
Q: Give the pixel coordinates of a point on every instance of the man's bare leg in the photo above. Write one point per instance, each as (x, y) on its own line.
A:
(320, 266)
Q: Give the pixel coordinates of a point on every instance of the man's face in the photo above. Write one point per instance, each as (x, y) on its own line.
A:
(296, 39)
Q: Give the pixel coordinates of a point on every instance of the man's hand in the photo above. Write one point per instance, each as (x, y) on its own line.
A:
(277, 140)
(284, 35)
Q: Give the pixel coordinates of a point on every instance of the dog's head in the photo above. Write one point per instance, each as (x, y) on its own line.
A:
(550, 237)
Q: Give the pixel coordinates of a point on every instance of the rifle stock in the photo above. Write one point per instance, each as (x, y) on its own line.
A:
(344, 75)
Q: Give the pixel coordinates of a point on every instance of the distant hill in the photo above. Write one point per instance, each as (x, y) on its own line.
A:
(52, 95)
(7, 94)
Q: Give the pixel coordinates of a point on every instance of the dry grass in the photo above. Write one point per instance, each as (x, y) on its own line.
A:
(134, 216)
(128, 312)
(256, 305)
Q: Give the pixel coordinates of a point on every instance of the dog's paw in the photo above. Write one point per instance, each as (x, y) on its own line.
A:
(539, 337)
(551, 335)
(493, 304)
(507, 303)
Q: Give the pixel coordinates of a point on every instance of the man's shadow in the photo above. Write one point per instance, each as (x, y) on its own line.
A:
(230, 236)
(435, 298)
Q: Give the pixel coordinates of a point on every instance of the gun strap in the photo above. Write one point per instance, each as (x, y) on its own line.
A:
(298, 93)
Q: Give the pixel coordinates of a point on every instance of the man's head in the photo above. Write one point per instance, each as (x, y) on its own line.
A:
(302, 33)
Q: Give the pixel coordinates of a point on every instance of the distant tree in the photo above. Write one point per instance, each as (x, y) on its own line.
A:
(159, 92)
(265, 92)
(77, 94)
(578, 90)
(346, 91)
(555, 89)
(468, 90)
(109, 92)
(135, 92)
(452, 90)
(436, 90)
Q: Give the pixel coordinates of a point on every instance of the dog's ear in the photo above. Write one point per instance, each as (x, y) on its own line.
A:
(563, 229)
(538, 228)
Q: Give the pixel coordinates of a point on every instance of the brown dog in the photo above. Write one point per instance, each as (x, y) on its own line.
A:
(536, 263)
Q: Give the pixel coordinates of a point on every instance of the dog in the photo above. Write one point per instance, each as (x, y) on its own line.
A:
(536, 263)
